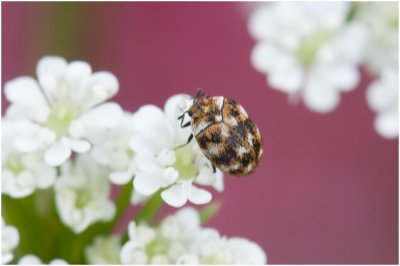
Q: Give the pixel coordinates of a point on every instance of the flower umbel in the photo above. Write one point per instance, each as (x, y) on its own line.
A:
(82, 194)
(179, 239)
(63, 108)
(161, 165)
(308, 50)
(9, 240)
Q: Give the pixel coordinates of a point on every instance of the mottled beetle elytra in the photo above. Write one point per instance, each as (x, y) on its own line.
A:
(225, 133)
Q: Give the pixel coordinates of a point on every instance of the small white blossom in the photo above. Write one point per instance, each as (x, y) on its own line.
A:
(160, 164)
(114, 152)
(9, 241)
(63, 109)
(104, 250)
(214, 249)
(22, 173)
(382, 19)
(383, 98)
(308, 50)
(34, 260)
(164, 244)
(82, 194)
(179, 239)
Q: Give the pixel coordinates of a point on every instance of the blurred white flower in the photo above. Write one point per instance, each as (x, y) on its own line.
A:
(104, 250)
(82, 194)
(21, 173)
(9, 241)
(308, 50)
(114, 152)
(383, 98)
(161, 165)
(34, 260)
(63, 109)
(164, 244)
(382, 19)
(214, 249)
(179, 239)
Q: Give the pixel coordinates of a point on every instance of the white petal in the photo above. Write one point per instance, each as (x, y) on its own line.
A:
(28, 140)
(198, 195)
(25, 92)
(107, 115)
(147, 183)
(246, 252)
(172, 111)
(175, 196)
(99, 87)
(132, 230)
(264, 55)
(58, 262)
(319, 96)
(77, 70)
(49, 71)
(151, 121)
(169, 175)
(120, 178)
(29, 259)
(387, 124)
(6, 258)
(46, 176)
(132, 254)
(342, 76)
(146, 143)
(58, 153)
(381, 97)
(147, 163)
(79, 145)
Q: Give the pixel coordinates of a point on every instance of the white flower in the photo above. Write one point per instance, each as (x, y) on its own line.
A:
(82, 194)
(63, 109)
(104, 250)
(164, 244)
(308, 51)
(211, 248)
(22, 173)
(383, 98)
(114, 152)
(382, 19)
(9, 241)
(179, 239)
(160, 164)
(34, 260)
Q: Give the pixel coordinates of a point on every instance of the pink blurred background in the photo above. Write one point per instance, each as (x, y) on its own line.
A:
(327, 187)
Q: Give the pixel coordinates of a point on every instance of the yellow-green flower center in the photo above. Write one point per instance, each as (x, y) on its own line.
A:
(83, 197)
(61, 115)
(157, 246)
(185, 162)
(14, 165)
(309, 47)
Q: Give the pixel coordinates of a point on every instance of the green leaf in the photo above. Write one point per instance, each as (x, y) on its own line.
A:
(209, 211)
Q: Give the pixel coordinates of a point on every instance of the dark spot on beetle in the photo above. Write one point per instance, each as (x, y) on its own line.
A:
(245, 160)
(215, 137)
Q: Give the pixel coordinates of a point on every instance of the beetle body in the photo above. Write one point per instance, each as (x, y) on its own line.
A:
(226, 135)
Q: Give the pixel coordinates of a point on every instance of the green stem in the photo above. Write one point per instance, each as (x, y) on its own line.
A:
(150, 209)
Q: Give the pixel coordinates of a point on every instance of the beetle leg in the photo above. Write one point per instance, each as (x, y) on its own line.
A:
(214, 169)
(188, 141)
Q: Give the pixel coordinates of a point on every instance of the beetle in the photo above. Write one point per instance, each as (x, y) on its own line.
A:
(225, 134)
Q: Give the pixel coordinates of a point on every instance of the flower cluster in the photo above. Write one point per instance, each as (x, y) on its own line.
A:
(312, 51)
(65, 146)
(179, 239)
(9, 240)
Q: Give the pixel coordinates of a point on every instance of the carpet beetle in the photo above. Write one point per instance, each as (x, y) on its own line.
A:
(225, 133)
